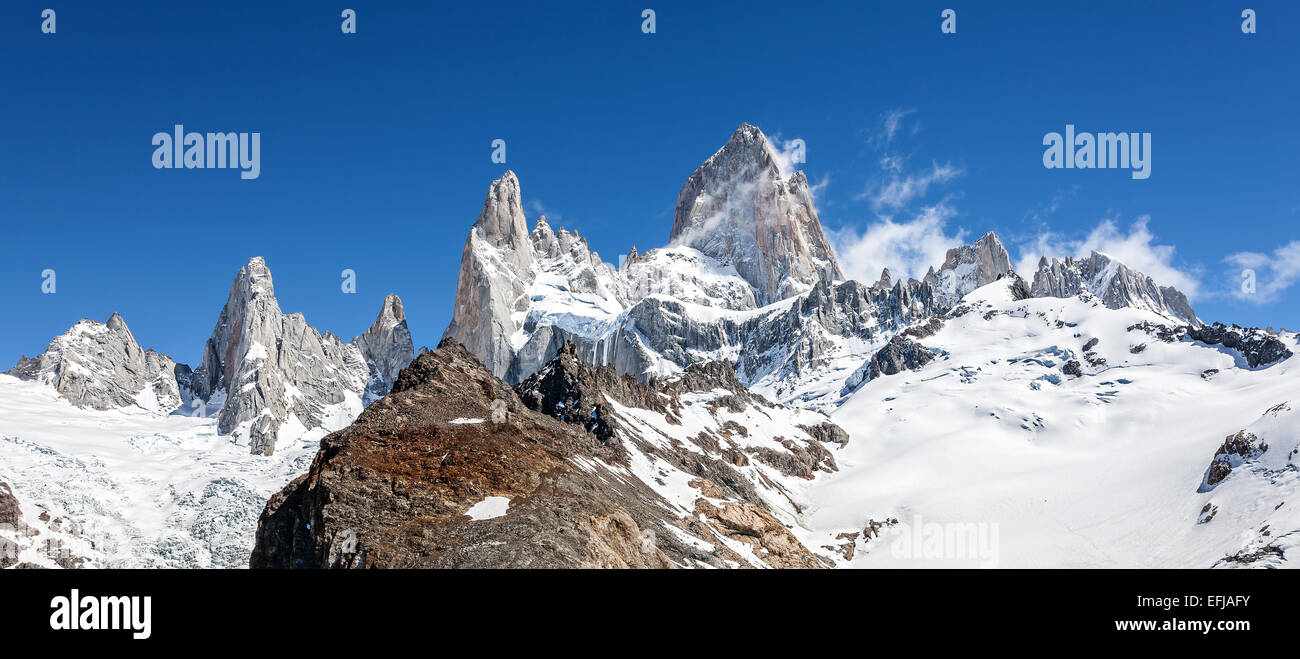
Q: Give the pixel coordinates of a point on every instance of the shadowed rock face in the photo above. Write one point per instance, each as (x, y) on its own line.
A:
(396, 489)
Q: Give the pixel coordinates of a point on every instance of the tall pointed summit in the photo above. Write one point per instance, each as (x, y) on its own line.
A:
(268, 367)
(741, 209)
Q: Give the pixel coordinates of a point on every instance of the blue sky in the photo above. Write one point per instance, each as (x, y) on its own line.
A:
(375, 152)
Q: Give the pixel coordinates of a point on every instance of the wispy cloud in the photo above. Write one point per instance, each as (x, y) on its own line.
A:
(892, 124)
(537, 207)
(1044, 211)
(908, 248)
(1135, 248)
(900, 190)
(786, 151)
(1274, 273)
(818, 189)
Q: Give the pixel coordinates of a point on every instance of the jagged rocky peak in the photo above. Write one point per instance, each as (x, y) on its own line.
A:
(969, 267)
(741, 209)
(386, 347)
(267, 368)
(100, 366)
(502, 273)
(501, 222)
(496, 268)
(886, 280)
(1114, 283)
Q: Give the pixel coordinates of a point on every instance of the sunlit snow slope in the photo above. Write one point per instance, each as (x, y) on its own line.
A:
(1055, 470)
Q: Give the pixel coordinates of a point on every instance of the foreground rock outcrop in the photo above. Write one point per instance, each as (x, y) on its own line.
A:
(454, 468)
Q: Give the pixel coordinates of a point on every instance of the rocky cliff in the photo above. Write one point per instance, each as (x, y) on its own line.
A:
(575, 467)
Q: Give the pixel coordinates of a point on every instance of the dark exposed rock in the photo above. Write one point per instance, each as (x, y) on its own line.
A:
(1207, 513)
(1073, 368)
(30, 536)
(1265, 554)
(828, 433)
(10, 513)
(1236, 450)
(1165, 333)
(11, 518)
(1019, 289)
(900, 354)
(570, 390)
(924, 330)
(27, 368)
(1258, 347)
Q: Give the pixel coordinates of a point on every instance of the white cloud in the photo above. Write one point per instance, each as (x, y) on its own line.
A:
(1135, 249)
(819, 187)
(1274, 273)
(537, 207)
(785, 154)
(907, 248)
(901, 190)
(892, 122)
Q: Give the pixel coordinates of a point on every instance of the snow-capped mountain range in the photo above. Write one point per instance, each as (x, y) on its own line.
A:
(730, 397)
(261, 368)
(747, 277)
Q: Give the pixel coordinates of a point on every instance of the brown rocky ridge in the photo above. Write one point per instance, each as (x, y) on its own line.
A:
(599, 471)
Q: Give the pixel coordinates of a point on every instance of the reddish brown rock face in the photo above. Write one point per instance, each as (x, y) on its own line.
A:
(400, 488)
